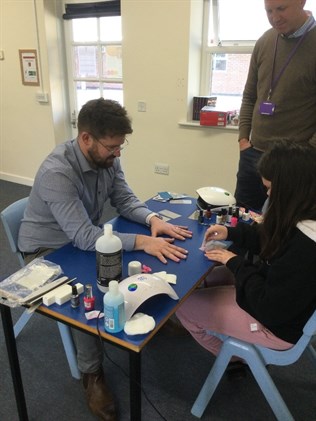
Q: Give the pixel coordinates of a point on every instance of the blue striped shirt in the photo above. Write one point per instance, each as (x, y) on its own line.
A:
(67, 199)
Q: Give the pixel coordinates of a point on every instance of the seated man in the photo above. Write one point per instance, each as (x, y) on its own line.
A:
(66, 204)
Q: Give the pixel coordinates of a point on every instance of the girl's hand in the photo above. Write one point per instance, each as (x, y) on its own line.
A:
(216, 232)
(220, 255)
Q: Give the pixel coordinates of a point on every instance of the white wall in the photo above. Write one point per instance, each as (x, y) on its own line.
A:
(161, 44)
(26, 134)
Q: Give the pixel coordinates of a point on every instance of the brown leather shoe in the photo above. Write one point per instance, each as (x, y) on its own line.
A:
(98, 395)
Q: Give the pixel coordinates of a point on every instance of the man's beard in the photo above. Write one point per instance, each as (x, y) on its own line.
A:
(98, 162)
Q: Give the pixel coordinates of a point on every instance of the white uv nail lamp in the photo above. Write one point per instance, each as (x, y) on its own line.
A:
(140, 287)
(214, 197)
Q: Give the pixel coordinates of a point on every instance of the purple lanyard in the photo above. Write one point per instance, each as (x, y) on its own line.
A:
(275, 80)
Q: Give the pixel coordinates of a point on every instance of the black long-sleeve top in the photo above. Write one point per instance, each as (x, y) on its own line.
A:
(281, 293)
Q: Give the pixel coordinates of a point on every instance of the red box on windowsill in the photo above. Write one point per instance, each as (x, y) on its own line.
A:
(210, 116)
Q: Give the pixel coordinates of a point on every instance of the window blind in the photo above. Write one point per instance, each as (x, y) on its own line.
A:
(92, 10)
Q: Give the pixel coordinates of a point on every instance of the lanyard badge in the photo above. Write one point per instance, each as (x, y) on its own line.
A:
(267, 108)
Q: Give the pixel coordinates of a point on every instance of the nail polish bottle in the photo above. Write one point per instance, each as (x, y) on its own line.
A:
(88, 299)
(224, 215)
(74, 300)
(230, 214)
(219, 218)
(208, 213)
(246, 215)
(201, 217)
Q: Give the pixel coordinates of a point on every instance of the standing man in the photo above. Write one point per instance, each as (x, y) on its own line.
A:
(279, 99)
(66, 203)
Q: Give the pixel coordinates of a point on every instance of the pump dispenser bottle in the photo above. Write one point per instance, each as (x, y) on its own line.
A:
(114, 310)
(109, 258)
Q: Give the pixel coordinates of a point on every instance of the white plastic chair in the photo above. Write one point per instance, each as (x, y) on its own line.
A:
(11, 218)
(257, 357)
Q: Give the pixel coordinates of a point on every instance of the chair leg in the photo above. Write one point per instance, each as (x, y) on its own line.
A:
(70, 349)
(269, 390)
(19, 325)
(211, 383)
(311, 353)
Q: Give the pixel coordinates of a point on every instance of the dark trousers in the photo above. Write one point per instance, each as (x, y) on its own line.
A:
(41, 252)
(250, 192)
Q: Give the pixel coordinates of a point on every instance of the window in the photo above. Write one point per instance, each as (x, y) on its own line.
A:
(94, 52)
(219, 62)
(97, 58)
(229, 34)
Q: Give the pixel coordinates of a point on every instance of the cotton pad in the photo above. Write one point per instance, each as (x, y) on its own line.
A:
(139, 324)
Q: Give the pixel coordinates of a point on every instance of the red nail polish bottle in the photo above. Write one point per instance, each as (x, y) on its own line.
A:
(88, 299)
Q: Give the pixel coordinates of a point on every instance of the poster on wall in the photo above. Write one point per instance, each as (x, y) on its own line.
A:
(29, 67)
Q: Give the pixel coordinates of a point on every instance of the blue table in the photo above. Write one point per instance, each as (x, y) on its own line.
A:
(82, 265)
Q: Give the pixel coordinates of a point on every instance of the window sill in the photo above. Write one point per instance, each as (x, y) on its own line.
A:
(194, 123)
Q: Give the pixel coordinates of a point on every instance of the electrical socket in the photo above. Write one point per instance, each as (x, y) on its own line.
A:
(161, 168)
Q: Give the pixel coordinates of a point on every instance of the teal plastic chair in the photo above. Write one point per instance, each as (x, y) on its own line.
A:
(11, 218)
(257, 357)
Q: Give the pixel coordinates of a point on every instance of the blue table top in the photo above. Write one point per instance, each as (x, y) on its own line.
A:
(82, 265)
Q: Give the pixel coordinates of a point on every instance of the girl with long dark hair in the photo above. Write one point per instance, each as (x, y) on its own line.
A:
(267, 302)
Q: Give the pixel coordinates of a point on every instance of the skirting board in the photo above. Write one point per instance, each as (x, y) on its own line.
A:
(16, 179)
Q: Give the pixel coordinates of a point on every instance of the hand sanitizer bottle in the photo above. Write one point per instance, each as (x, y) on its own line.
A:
(109, 258)
(114, 309)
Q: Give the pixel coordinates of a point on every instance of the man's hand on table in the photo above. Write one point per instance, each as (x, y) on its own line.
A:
(162, 248)
(159, 227)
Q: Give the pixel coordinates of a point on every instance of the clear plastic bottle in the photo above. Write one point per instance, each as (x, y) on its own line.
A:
(109, 258)
(114, 309)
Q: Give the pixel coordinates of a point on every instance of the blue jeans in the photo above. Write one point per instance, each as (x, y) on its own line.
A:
(250, 192)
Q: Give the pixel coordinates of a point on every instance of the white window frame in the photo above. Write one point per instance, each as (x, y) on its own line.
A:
(69, 44)
(229, 47)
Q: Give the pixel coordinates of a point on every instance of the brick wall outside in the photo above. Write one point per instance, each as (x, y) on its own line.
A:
(232, 80)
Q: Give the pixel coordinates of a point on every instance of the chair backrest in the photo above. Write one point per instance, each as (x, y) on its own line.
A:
(291, 355)
(310, 327)
(273, 356)
(11, 218)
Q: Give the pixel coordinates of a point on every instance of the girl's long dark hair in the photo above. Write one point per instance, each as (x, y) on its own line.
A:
(291, 168)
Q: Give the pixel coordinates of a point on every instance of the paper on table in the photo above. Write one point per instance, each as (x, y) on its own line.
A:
(169, 214)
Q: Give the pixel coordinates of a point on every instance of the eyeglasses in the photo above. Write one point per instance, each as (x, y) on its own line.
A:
(114, 149)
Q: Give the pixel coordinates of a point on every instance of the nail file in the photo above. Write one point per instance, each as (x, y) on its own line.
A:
(35, 304)
(50, 297)
(62, 296)
(58, 295)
